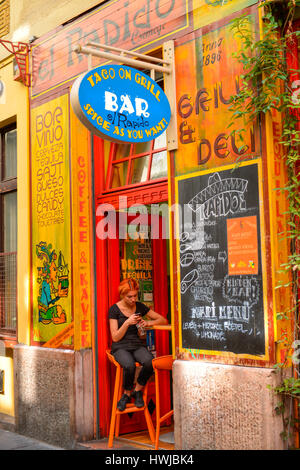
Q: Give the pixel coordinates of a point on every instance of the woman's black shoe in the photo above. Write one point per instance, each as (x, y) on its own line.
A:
(138, 398)
(121, 405)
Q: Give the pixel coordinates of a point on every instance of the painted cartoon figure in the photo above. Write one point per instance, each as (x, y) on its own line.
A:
(54, 284)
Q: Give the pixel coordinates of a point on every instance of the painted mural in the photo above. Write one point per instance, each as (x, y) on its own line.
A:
(51, 238)
(53, 278)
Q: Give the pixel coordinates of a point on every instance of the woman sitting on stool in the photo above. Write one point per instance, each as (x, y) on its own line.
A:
(127, 347)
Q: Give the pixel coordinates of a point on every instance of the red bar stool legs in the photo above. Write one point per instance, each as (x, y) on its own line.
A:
(116, 397)
(130, 408)
(160, 363)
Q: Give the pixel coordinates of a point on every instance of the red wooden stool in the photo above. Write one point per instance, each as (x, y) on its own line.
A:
(160, 363)
(130, 407)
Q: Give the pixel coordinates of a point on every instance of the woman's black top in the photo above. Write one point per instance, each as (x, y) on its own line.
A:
(130, 340)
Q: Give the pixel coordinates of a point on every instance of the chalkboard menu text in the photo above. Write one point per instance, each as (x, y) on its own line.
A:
(221, 284)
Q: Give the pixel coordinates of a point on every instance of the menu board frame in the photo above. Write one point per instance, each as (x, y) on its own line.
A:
(259, 351)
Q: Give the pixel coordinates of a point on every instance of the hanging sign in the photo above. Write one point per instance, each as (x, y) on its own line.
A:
(120, 104)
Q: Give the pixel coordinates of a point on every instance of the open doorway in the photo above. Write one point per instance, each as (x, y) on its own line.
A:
(139, 249)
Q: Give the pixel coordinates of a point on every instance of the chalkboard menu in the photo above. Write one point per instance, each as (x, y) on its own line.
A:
(221, 285)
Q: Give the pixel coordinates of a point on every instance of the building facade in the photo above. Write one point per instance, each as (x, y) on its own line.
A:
(200, 221)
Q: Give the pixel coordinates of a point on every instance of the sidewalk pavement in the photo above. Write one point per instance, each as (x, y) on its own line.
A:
(12, 441)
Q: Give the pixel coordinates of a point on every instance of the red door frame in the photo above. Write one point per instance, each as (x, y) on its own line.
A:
(108, 276)
(160, 289)
(150, 193)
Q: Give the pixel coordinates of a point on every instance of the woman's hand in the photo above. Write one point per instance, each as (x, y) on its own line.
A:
(133, 319)
(156, 319)
(118, 333)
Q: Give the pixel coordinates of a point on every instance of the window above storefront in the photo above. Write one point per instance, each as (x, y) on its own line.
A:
(132, 164)
(8, 231)
(4, 17)
(140, 163)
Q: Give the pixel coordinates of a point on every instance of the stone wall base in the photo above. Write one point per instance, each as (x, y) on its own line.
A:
(53, 394)
(223, 407)
(7, 422)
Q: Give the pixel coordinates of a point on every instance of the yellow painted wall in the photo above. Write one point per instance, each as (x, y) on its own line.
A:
(27, 18)
(14, 108)
(36, 17)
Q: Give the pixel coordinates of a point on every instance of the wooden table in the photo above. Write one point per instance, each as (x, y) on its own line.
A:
(161, 327)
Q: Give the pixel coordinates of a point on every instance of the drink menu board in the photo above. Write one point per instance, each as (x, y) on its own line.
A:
(220, 266)
(136, 262)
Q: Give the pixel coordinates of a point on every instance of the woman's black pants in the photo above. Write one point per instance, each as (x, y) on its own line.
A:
(127, 360)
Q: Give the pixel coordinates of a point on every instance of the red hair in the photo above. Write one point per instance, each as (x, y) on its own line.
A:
(127, 285)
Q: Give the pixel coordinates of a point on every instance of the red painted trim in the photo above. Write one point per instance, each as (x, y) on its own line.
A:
(99, 170)
(150, 193)
(102, 334)
(160, 280)
(113, 162)
(112, 154)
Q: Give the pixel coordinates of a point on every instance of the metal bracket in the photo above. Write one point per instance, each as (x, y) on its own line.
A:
(20, 50)
(135, 59)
